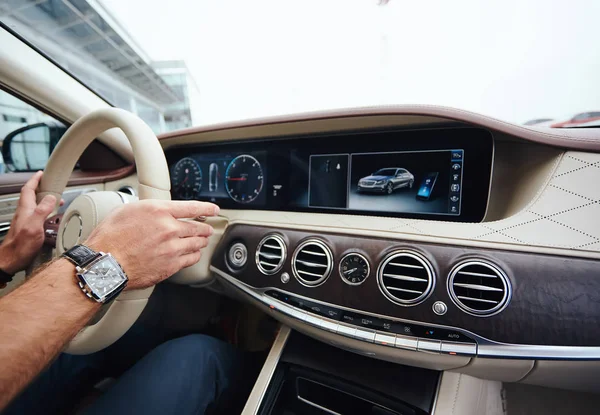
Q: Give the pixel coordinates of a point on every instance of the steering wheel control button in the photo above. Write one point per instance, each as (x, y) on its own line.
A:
(285, 278)
(440, 308)
(238, 255)
(462, 349)
(408, 343)
(426, 345)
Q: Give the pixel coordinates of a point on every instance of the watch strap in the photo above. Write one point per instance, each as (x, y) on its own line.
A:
(81, 255)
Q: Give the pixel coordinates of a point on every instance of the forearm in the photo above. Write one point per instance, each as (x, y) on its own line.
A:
(38, 320)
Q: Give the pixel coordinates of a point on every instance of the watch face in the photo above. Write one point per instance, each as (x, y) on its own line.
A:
(104, 276)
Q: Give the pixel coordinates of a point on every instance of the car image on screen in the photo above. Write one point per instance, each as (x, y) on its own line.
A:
(386, 180)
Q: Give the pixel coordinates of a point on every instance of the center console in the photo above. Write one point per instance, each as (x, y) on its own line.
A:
(310, 377)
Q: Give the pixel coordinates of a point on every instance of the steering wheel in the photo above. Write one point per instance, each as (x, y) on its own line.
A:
(87, 210)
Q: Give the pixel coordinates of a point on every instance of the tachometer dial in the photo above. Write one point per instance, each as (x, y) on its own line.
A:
(354, 269)
(186, 179)
(244, 179)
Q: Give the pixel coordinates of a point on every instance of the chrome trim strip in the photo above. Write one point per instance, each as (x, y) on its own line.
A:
(485, 347)
(4, 227)
(314, 405)
(266, 373)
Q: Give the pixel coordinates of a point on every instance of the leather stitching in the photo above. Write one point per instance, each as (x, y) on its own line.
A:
(456, 393)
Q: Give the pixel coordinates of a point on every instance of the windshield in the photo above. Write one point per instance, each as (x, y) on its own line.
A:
(385, 172)
(181, 63)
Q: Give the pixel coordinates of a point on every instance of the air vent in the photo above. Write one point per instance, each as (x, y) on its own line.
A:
(405, 278)
(127, 190)
(479, 288)
(312, 262)
(270, 254)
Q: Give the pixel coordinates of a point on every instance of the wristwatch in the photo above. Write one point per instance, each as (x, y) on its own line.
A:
(99, 275)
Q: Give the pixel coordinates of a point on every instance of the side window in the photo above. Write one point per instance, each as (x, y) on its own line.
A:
(27, 135)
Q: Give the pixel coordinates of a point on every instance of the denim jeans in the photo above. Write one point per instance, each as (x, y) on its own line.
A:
(188, 375)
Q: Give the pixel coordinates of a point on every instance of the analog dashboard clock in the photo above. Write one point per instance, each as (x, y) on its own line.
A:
(354, 269)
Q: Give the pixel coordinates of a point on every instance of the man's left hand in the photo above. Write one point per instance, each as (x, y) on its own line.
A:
(26, 234)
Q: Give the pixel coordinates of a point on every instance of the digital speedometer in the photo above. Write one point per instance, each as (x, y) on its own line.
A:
(244, 179)
(186, 179)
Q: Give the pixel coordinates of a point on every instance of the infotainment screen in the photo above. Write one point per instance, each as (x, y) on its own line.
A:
(437, 173)
(424, 182)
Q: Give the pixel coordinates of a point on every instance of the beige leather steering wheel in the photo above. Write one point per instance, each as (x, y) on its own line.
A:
(87, 210)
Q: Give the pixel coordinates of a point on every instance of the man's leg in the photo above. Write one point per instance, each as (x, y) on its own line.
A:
(182, 376)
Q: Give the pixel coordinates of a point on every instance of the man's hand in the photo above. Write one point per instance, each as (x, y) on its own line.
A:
(26, 234)
(149, 241)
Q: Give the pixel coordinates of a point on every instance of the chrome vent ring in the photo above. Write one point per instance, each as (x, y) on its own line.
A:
(312, 263)
(270, 254)
(406, 277)
(479, 288)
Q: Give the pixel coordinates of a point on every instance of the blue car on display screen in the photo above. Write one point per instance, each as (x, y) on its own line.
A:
(387, 180)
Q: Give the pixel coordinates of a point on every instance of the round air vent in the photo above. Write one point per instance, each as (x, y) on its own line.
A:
(270, 254)
(405, 277)
(479, 288)
(312, 262)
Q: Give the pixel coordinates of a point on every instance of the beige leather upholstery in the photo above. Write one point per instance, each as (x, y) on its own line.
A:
(465, 395)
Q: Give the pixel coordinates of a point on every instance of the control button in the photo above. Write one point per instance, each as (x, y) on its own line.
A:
(238, 254)
(456, 166)
(456, 177)
(300, 315)
(283, 308)
(315, 321)
(329, 325)
(454, 198)
(455, 187)
(426, 345)
(405, 329)
(365, 335)
(285, 278)
(439, 308)
(385, 339)
(403, 342)
(463, 349)
(346, 330)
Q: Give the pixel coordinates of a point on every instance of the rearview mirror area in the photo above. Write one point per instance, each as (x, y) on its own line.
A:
(29, 148)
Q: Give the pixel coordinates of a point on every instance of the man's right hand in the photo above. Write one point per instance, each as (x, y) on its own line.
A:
(149, 241)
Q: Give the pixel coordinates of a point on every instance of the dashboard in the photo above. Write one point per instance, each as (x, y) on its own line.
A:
(439, 174)
(348, 228)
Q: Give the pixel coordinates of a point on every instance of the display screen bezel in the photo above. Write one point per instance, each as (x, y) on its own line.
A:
(477, 143)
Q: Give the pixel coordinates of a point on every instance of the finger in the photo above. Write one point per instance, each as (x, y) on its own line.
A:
(45, 207)
(34, 181)
(188, 229)
(190, 259)
(189, 208)
(186, 246)
(27, 198)
(62, 202)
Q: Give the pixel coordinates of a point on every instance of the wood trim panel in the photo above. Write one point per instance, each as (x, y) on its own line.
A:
(555, 301)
